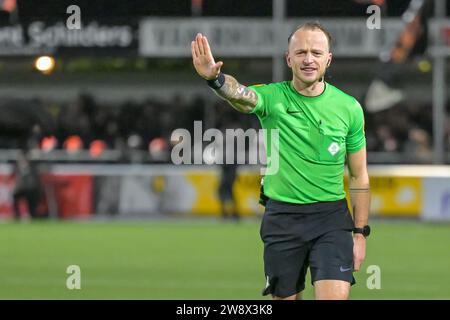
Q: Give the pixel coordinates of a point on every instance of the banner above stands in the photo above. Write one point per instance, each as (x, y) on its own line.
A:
(255, 37)
(41, 38)
(229, 37)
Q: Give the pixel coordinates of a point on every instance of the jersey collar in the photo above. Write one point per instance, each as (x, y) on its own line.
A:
(291, 85)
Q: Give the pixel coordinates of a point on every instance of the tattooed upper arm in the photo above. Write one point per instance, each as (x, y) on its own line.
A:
(239, 96)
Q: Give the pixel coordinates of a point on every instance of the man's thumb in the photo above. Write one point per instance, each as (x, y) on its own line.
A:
(219, 65)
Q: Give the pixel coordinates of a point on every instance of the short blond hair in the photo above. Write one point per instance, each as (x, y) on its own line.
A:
(313, 25)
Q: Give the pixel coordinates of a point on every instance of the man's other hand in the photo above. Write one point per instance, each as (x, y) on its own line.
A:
(359, 251)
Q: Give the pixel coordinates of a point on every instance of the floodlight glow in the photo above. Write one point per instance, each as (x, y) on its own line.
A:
(45, 64)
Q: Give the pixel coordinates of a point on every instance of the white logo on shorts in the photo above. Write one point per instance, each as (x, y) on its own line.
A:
(267, 282)
(342, 269)
(334, 148)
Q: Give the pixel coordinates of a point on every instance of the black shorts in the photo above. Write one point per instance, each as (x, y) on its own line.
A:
(318, 236)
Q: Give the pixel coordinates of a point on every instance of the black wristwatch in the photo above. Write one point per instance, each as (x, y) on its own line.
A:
(365, 231)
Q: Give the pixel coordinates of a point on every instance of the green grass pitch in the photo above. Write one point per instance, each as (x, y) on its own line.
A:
(191, 259)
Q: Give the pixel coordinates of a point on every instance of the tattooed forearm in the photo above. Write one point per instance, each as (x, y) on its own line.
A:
(240, 97)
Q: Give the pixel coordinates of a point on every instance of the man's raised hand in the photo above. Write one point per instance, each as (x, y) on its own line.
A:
(240, 97)
(203, 59)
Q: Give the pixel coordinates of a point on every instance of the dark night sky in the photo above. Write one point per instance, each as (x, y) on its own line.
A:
(107, 9)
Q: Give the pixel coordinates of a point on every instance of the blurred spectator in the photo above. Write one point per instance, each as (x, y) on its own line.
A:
(27, 186)
(387, 141)
(34, 140)
(73, 144)
(228, 170)
(49, 143)
(96, 148)
(159, 150)
(134, 151)
(447, 133)
(418, 145)
(226, 195)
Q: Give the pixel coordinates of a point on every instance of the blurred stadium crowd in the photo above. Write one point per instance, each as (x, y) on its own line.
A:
(85, 124)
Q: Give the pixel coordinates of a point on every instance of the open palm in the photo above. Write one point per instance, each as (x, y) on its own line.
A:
(203, 59)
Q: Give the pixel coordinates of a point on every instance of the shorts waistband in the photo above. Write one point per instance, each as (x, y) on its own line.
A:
(280, 206)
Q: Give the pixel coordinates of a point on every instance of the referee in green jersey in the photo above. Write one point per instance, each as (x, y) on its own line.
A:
(307, 222)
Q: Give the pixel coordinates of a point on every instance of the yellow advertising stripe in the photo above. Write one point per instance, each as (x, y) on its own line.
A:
(394, 196)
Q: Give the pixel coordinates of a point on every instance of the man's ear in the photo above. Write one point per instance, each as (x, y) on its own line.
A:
(330, 57)
(288, 59)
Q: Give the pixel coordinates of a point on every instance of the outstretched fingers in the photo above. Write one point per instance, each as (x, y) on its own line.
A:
(198, 40)
(206, 48)
(194, 50)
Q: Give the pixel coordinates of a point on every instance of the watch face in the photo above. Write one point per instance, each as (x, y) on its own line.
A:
(366, 231)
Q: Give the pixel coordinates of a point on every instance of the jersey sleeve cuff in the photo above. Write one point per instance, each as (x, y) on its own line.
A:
(357, 148)
(259, 104)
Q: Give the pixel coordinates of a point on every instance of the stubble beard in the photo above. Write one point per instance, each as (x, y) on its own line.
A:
(309, 82)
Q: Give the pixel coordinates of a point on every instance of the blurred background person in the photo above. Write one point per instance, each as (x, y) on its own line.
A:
(27, 186)
(229, 208)
(228, 173)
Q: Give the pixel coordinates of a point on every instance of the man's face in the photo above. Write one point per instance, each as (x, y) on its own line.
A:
(308, 55)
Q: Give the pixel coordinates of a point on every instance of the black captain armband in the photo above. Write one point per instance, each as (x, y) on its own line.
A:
(217, 83)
